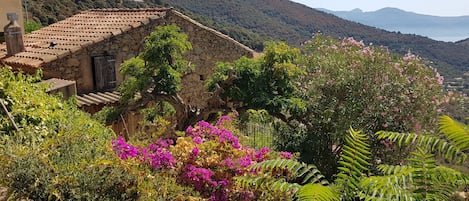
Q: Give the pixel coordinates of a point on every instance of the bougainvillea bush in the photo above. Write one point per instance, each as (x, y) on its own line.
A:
(208, 159)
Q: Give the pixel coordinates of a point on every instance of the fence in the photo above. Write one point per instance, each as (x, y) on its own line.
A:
(258, 134)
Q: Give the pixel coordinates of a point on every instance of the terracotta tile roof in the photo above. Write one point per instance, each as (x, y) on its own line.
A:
(77, 32)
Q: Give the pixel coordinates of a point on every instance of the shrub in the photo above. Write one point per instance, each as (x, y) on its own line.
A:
(207, 159)
(58, 152)
(331, 85)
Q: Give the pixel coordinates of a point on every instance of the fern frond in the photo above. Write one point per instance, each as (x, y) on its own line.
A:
(456, 132)
(390, 187)
(394, 169)
(421, 180)
(431, 143)
(354, 162)
(309, 173)
(450, 176)
(267, 183)
(317, 192)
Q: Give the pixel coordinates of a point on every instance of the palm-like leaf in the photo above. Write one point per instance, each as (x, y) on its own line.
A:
(435, 144)
(308, 172)
(452, 146)
(274, 184)
(354, 163)
(317, 192)
(389, 187)
(279, 174)
(422, 179)
(456, 132)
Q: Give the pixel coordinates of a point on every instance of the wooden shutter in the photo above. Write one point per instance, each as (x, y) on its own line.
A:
(104, 72)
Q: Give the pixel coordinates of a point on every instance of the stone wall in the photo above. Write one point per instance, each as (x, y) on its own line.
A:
(78, 66)
(209, 47)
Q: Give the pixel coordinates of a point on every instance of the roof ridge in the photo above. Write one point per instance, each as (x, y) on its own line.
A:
(159, 9)
(79, 31)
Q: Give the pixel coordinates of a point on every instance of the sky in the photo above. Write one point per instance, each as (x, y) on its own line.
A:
(429, 7)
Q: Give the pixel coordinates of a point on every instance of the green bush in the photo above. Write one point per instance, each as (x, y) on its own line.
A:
(58, 152)
(330, 85)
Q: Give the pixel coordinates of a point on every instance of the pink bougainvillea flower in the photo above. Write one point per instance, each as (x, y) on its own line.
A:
(261, 154)
(286, 155)
(124, 150)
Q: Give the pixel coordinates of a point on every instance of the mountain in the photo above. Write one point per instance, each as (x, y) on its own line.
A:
(252, 22)
(295, 23)
(463, 42)
(393, 19)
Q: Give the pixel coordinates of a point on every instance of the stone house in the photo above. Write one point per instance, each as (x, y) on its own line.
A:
(88, 49)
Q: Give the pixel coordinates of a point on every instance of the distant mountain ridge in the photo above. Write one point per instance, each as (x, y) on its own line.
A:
(394, 19)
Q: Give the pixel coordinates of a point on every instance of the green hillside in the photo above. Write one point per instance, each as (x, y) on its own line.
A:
(255, 21)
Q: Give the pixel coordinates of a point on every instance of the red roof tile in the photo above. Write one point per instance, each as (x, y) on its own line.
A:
(76, 32)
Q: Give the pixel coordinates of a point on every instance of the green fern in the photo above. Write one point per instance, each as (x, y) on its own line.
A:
(422, 179)
(288, 175)
(354, 163)
(274, 184)
(317, 192)
(309, 173)
(452, 145)
(389, 187)
(456, 132)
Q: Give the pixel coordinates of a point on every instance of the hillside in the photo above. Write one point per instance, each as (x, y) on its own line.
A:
(255, 21)
(463, 42)
(294, 23)
(393, 19)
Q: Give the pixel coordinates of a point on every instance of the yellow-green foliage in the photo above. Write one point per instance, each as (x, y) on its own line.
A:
(58, 152)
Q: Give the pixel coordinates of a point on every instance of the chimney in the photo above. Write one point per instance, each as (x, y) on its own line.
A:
(13, 35)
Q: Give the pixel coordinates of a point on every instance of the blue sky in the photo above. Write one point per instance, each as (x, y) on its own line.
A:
(429, 7)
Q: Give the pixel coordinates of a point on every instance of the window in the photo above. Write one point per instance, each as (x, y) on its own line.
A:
(104, 72)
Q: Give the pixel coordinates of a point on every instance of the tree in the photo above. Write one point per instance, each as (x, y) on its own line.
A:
(154, 76)
(332, 85)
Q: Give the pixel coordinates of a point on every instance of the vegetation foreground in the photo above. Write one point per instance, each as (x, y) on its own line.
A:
(406, 149)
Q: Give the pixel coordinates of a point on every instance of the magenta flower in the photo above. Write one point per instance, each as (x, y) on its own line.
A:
(203, 125)
(228, 162)
(260, 155)
(195, 151)
(245, 161)
(228, 137)
(197, 140)
(163, 159)
(199, 177)
(286, 155)
(156, 155)
(223, 119)
(124, 150)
